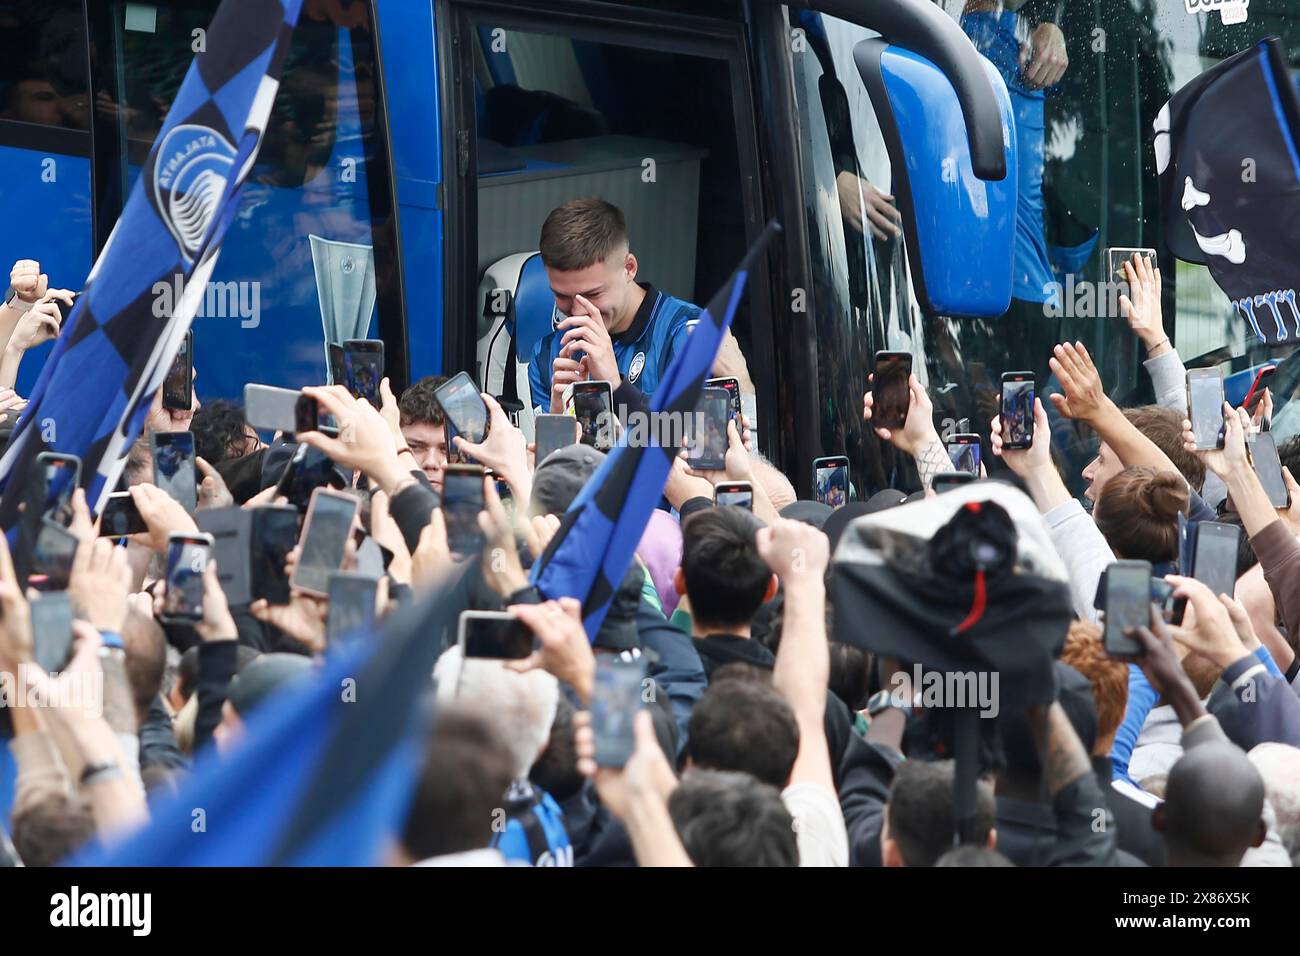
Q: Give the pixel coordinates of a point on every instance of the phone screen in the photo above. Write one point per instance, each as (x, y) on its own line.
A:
(52, 630)
(351, 605)
(462, 500)
(708, 448)
(325, 540)
(494, 634)
(890, 396)
(593, 407)
(275, 532)
(732, 385)
(61, 474)
(173, 466)
(177, 387)
(553, 432)
(1018, 412)
(831, 476)
(52, 555)
(1215, 562)
(1128, 604)
(120, 516)
(615, 699)
(946, 481)
(1205, 400)
(364, 366)
(735, 497)
(338, 365)
(187, 559)
(1263, 455)
(303, 475)
(464, 408)
(964, 453)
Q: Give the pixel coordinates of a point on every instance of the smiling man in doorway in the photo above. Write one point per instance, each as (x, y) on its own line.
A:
(610, 326)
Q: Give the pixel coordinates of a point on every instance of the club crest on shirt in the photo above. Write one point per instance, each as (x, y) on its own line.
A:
(634, 370)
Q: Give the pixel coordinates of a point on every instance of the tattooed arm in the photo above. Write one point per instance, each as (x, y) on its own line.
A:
(1085, 828)
(1060, 752)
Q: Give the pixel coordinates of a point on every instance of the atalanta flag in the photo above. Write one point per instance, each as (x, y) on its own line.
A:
(325, 772)
(600, 532)
(111, 357)
(1226, 151)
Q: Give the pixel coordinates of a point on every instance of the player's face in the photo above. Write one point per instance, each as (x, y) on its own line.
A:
(428, 443)
(606, 285)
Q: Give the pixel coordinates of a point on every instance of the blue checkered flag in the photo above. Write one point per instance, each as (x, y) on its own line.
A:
(115, 349)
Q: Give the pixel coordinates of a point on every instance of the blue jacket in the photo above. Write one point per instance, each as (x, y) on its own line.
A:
(643, 350)
(534, 832)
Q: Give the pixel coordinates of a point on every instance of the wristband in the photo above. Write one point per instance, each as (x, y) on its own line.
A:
(1164, 341)
(526, 595)
(112, 639)
(99, 772)
(15, 303)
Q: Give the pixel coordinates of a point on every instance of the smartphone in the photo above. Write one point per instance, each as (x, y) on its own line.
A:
(495, 634)
(267, 408)
(120, 516)
(52, 630)
(1214, 562)
(739, 494)
(363, 365)
(831, 480)
(187, 559)
(890, 395)
(52, 556)
(964, 452)
(308, 469)
(462, 500)
(1128, 605)
(1268, 466)
(230, 529)
(324, 542)
(948, 480)
(732, 385)
(1116, 256)
(553, 432)
(1017, 409)
(61, 474)
(1205, 406)
(463, 406)
(593, 407)
(178, 386)
(1262, 381)
(272, 535)
(352, 611)
(173, 466)
(338, 373)
(708, 446)
(616, 696)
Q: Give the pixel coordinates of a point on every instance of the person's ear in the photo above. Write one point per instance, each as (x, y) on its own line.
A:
(630, 267)
(773, 585)
(1261, 834)
(1158, 818)
(993, 838)
(679, 581)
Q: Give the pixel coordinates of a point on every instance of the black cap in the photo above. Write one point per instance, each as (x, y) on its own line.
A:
(263, 677)
(814, 513)
(559, 478)
(840, 517)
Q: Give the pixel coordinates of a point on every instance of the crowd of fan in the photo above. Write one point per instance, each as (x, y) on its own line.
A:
(756, 745)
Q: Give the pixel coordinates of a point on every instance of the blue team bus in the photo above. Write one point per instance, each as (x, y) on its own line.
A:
(415, 147)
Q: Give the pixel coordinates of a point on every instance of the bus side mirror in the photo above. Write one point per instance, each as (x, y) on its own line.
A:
(959, 229)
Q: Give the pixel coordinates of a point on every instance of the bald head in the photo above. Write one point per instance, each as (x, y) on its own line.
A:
(1213, 809)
